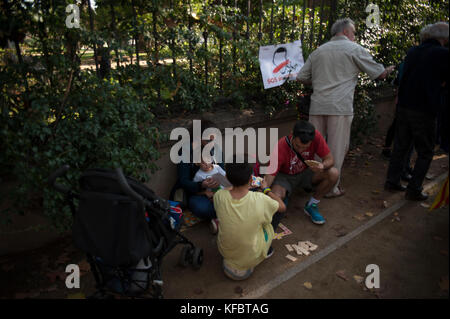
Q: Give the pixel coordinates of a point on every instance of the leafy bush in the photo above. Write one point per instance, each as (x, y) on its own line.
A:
(102, 124)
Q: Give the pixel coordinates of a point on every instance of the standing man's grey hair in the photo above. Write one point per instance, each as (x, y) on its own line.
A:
(437, 31)
(340, 25)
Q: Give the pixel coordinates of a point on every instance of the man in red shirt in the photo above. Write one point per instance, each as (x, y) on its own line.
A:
(302, 145)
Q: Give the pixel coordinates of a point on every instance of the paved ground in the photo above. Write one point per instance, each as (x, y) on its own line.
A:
(410, 246)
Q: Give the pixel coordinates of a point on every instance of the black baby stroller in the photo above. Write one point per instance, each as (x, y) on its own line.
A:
(125, 230)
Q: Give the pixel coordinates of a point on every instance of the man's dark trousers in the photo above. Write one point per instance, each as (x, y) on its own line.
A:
(418, 128)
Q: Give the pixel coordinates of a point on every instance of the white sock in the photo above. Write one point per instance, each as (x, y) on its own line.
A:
(313, 201)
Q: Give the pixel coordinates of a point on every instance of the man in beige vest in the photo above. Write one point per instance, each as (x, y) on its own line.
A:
(333, 70)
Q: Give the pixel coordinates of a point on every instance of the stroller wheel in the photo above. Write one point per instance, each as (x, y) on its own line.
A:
(197, 258)
(184, 256)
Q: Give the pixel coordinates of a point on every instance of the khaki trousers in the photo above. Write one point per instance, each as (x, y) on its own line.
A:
(336, 131)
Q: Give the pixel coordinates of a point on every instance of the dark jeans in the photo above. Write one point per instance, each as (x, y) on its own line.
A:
(417, 128)
(202, 207)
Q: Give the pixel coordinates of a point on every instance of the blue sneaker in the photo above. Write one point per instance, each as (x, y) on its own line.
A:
(313, 212)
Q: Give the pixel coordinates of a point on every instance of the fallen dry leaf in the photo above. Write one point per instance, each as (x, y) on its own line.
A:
(307, 285)
(358, 279)
(340, 230)
(359, 217)
(368, 214)
(341, 274)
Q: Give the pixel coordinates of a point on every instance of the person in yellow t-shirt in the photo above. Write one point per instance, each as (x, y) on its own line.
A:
(245, 230)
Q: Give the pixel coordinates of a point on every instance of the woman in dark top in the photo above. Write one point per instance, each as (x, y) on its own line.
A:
(199, 205)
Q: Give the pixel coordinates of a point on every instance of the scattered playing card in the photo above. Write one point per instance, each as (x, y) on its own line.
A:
(308, 285)
(291, 258)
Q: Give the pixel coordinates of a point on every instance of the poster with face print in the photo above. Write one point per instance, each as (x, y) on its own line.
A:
(280, 63)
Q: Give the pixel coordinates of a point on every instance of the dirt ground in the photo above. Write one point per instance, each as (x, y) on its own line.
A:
(410, 247)
(411, 253)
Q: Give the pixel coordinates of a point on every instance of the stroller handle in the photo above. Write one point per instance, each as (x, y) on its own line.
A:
(126, 187)
(58, 173)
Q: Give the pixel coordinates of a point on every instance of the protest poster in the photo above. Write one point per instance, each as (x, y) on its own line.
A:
(280, 63)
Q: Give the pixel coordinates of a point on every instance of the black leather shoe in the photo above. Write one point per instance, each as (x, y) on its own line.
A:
(415, 195)
(394, 187)
(406, 177)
